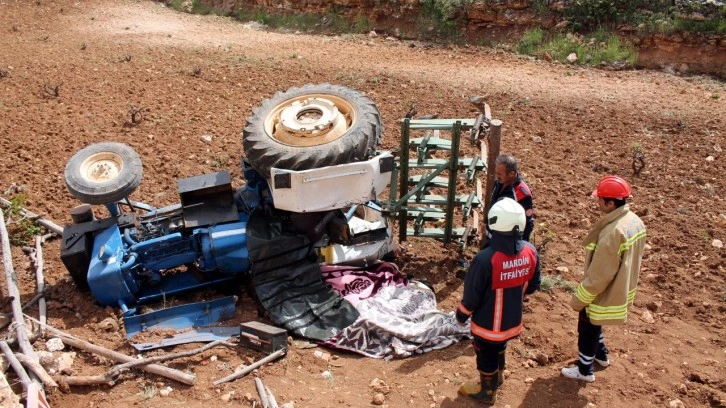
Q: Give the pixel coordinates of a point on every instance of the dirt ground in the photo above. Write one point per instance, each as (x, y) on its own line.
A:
(200, 76)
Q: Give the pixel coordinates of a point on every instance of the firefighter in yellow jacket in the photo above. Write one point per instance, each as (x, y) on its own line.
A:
(614, 250)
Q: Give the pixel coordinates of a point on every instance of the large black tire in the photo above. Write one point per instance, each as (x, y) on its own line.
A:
(268, 143)
(103, 173)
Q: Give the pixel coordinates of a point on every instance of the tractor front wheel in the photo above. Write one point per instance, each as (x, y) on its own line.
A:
(103, 173)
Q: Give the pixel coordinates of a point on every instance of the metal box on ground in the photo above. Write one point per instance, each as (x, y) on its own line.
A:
(263, 337)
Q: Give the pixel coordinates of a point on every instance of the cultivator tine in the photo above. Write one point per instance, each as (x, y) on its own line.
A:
(422, 149)
(471, 171)
(467, 205)
(421, 192)
(418, 227)
(464, 239)
(476, 129)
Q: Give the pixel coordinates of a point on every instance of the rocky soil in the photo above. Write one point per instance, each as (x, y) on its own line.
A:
(197, 78)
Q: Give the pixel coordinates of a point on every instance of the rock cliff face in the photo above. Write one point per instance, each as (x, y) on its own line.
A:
(487, 19)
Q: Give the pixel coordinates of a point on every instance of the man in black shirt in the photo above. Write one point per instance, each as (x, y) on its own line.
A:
(510, 184)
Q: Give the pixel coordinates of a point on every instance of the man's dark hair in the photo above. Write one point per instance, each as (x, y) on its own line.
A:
(619, 202)
(509, 162)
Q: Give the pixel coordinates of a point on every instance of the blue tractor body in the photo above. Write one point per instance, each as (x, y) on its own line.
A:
(130, 258)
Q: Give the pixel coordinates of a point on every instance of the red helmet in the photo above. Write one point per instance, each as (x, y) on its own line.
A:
(612, 187)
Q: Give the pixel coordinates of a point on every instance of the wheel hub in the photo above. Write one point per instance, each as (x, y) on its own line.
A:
(101, 167)
(309, 118)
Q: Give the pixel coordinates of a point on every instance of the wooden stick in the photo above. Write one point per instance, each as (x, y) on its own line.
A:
(176, 375)
(14, 292)
(15, 364)
(28, 214)
(167, 372)
(116, 370)
(40, 280)
(32, 301)
(13, 341)
(37, 369)
(271, 398)
(7, 396)
(108, 377)
(87, 380)
(263, 394)
(251, 367)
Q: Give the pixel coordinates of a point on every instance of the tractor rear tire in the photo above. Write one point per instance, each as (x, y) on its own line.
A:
(310, 127)
(103, 173)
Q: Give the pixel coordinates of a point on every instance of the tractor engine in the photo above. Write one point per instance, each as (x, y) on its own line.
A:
(133, 259)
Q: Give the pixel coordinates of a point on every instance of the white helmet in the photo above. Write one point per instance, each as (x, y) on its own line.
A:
(507, 216)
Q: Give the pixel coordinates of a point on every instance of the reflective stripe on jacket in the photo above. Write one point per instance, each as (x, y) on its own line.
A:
(494, 287)
(614, 251)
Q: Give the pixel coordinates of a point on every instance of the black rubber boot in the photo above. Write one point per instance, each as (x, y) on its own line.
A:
(502, 361)
(486, 391)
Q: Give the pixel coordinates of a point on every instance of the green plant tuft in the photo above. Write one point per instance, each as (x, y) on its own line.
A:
(21, 230)
(549, 283)
(596, 48)
(530, 41)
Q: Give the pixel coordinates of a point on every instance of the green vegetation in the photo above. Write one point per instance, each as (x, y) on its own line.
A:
(549, 283)
(659, 23)
(362, 25)
(531, 41)
(595, 48)
(191, 6)
(219, 162)
(330, 22)
(444, 9)
(593, 24)
(649, 16)
(590, 14)
(21, 230)
(441, 16)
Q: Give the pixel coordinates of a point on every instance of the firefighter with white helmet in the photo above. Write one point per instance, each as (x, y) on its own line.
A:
(497, 280)
(613, 252)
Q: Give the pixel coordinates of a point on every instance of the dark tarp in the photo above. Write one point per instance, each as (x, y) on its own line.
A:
(288, 281)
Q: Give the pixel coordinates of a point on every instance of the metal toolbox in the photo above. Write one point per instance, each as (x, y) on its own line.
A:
(262, 337)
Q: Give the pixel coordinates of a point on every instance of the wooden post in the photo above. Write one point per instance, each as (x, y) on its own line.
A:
(40, 281)
(493, 142)
(14, 293)
(403, 178)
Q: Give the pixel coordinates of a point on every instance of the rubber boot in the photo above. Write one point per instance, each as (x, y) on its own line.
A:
(502, 361)
(485, 391)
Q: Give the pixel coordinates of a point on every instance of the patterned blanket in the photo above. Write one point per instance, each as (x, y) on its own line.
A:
(397, 318)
